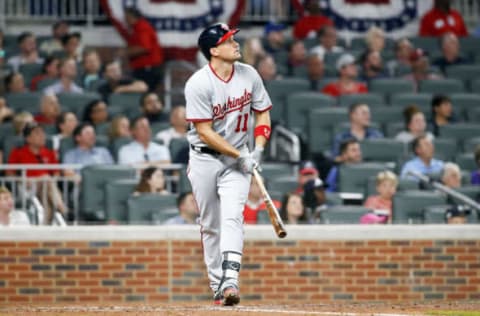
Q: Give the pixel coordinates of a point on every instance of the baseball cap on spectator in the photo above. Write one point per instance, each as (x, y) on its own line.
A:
(416, 54)
(29, 128)
(456, 211)
(273, 27)
(308, 168)
(345, 60)
(315, 184)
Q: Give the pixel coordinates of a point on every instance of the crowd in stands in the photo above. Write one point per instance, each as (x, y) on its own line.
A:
(141, 134)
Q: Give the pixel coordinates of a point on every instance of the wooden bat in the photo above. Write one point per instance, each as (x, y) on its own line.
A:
(275, 218)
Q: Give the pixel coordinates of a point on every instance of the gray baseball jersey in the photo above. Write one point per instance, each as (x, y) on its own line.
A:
(227, 103)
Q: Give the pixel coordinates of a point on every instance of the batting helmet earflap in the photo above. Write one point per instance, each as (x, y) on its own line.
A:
(214, 35)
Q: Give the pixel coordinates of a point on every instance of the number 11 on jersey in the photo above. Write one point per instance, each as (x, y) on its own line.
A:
(242, 126)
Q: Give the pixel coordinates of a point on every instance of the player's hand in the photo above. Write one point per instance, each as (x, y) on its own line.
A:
(257, 154)
(246, 163)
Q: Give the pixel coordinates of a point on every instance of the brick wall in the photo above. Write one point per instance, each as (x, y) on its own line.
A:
(84, 267)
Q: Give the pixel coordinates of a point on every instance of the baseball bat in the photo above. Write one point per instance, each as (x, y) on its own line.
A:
(275, 218)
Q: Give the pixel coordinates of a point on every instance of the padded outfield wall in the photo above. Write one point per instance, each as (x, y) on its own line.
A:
(164, 264)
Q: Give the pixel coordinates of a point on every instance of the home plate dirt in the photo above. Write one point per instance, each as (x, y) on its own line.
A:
(198, 309)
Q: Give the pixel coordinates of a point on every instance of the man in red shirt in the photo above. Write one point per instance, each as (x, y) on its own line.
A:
(442, 19)
(255, 203)
(313, 21)
(143, 49)
(35, 152)
(347, 83)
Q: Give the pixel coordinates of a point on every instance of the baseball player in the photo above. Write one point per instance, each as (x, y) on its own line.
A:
(220, 100)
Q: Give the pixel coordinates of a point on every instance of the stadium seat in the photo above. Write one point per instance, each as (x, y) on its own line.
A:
(371, 99)
(464, 102)
(127, 101)
(158, 127)
(435, 214)
(343, 214)
(42, 84)
(443, 86)
(469, 45)
(353, 178)
(471, 191)
(422, 100)
(445, 148)
(386, 116)
(94, 178)
(320, 126)
(466, 73)
(24, 101)
(176, 146)
(271, 170)
(299, 105)
(283, 184)
(117, 144)
(470, 144)
(184, 182)
(408, 205)
(466, 161)
(325, 81)
(331, 58)
(473, 115)
(460, 131)
(429, 44)
(279, 90)
(117, 193)
(387, 87)
(11, 142)
(475, 85)
(383, 150)
(300, 71)
(392, 129)
(151, 208)
(77, 102)
(29, 71)
(333, 198)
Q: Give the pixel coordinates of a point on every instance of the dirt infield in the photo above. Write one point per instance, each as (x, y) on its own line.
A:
(327, 309)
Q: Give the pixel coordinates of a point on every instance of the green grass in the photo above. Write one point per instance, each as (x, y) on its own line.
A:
(453, 313)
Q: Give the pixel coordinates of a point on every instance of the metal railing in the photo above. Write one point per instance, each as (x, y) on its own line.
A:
(24, 188)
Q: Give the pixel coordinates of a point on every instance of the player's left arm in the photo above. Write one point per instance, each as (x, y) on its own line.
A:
(261, 134)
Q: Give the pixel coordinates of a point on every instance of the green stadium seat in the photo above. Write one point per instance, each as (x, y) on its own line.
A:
(320, 125)
(278, 91)
(387, 87)
(460, 131)
(445, 148)
(325, 81)
(331, 58)
(283, 184)
(429, 44)
(464, 102)
(94, 178)
(441, 86)
(11, 142)
(475, 85)
(151, 208)
(300, 104)
(469, 45)
(353, 178)
(272, 170)
(471, 191)
(473, 115)
(408, 205)
(42, 84)
(333, 198)
(116, 144)
(29, 71)
(466, 73)
(117, 193)
(422, 100)
(383, 150)
(176, 146)
(77, 102)
(184, 182)
(343, 214)
(392, 129)
(371, 99)
(386, 116)
(24, 101)
(466, 161)
(470, 144)
(300, 71)
(130, 102)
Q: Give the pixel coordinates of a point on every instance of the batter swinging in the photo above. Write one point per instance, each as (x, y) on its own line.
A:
(220, 98)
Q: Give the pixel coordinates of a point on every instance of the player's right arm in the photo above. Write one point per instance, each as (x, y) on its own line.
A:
(214, 140)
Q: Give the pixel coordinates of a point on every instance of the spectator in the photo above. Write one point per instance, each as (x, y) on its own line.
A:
(327, 38)
(6, 113)
(315, 198)
(119, 127)
(28, 51)
(306, 173)
(403, 51)
(315, 70)
(71, 46)
(350, 153)
(456, 214)
(152, 108)
(35, 152)
(91, 68)
(293, 211)
(252, 50)
(451, 175)
(347, 83)
(49, 71)
(8, 215)
(423, 162)
(20, 120)
(117, 83)
(386, 185)
(152, 180)
(450, 53)
(359, 116)
(372, 66)
(178, 127)
(14, 83)
(375, 39)
(297, 56)
(49, 110)
(144, 52)
(86, 153)
(188, 211)
(267, 68)
(442, 113)
(420, 68)
(475, 177)
(96, 113)
(415, 125)
(311, 22)
(59, 30)
(275, 42)
(255, 203)
(442, 19)
(142, 149)
(65, 125)
(68, 74)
